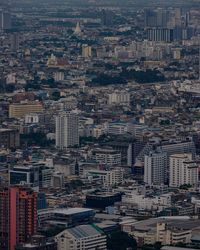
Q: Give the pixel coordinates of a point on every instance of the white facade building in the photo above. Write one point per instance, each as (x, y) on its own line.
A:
(59, 76)
(108, 157)
(108, 178)
(155, 165)
(183, 170)
(116, 128)
(31, 118)
(67, 130)
(119, 97)
(84, 237)
(148, 203)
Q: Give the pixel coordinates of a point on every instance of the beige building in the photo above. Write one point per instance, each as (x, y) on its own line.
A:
(19, 110)
(172, 235)
(86, 51)
(166, 230)
(84, 237)
(183, 170)
(119, 97)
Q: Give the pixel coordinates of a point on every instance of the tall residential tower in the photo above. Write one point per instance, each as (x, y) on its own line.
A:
(18, 216)
(67, 130)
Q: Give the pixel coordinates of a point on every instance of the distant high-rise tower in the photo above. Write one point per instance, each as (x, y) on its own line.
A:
(67, 130)
(18, 216)
(150, 18)
(160, 35)
(107, 17)
(156, 18)
(5, 19)
(14, 42)
(77, 30)
(155, 165)
(199, 57)
(76, 168)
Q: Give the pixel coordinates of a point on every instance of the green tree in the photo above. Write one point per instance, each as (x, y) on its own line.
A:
(120, 241)
(56, 95)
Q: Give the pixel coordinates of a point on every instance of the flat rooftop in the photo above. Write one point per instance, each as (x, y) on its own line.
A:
(66, 211)
(6, 130)
(84, 231)
(176, 222)
(103, 195)
(176, 248)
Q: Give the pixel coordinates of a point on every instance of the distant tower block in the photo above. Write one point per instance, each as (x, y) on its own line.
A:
(199, 56)
(77, 30)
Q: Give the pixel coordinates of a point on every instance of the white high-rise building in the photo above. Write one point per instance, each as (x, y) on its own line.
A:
(67, 130)
(155, 164)
(183, 170)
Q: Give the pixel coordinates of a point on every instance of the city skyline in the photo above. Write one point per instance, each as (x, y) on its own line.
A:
(99, 125)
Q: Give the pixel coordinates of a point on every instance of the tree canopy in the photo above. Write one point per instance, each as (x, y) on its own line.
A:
(120, 241)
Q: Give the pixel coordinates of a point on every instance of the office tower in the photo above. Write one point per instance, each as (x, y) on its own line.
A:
(41, 201)
(82, 237)
(155, 165)
(5, 19)
(133, 151)
(24, 175)
(177, 16)
(18, 216)
(86, 51)
(37, 175)
(183, 170)
(150, 18)
(160, 35)
(199, 56)
(156, 18)
(107, 17)
(1, 19)
(187, 18)
(67, 130)
(76, 168)
(161, 18)
(14, 42)
(180, 33)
